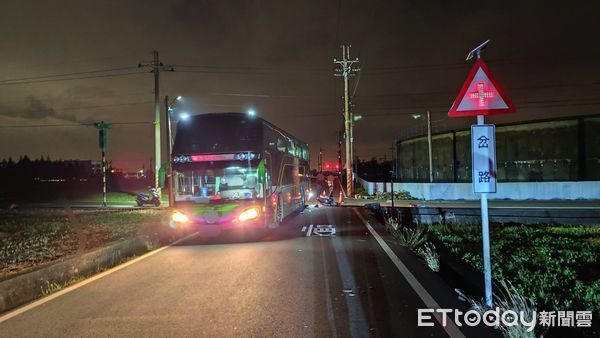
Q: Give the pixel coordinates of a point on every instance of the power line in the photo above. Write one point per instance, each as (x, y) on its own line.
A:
(69, 79)
(71, 125)
(244, 70)
(67, 74)
(518, 88)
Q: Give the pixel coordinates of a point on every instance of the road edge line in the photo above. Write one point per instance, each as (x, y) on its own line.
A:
(41, 301)
(451, 329)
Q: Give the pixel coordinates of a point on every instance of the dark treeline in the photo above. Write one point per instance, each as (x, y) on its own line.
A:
(43, 179)
(44, 169)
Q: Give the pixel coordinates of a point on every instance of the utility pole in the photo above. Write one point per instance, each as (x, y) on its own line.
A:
(320, 164)
(102, 141)
(346, 71)
(156, 67)
(339, 154)
(169, 173)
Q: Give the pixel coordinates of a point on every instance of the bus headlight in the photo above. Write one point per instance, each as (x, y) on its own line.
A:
(248, 214)
(179, 217)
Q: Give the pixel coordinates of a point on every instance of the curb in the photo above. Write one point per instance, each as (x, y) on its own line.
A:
(28, 286)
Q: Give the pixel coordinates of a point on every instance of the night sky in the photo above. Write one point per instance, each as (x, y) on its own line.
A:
(276, 56)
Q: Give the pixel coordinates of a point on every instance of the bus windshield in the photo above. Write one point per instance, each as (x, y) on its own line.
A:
(229, 183)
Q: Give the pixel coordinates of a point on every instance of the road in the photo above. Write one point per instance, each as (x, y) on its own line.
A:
(287, 284)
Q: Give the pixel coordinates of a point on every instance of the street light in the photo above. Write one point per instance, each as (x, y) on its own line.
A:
(416, 117)
(184, 116)
(354, 170)
(169, 176)
(251, 112)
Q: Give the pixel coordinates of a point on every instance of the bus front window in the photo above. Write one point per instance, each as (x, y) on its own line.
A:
(230, 183)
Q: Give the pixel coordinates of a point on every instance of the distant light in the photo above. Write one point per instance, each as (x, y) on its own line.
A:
(184, 116)
(251, 112)
(416, 116)
(357, 117)
(179, 97)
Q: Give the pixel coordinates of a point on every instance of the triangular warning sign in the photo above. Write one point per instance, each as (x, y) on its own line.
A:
(481, 95)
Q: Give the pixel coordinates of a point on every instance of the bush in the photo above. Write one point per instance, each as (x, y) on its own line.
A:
(430, 255)
(398, 195)
(556, 266)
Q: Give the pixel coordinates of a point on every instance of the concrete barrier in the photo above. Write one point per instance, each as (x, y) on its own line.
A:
(584, 190)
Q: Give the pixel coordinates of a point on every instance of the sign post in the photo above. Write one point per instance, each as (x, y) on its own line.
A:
(481, 95)
(102, 141)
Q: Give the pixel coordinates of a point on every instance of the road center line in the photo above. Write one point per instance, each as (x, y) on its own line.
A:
(87, 281)
(451, 328)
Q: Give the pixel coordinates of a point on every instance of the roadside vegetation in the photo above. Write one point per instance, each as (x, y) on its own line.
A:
(556, 266)
(543, 267)
(415, 238)
(381, 195)
(31, 238)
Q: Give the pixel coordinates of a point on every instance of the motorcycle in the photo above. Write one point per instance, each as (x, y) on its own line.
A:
(153, 198)
(328, 201)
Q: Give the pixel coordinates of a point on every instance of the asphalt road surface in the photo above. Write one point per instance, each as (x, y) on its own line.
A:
(286, 284)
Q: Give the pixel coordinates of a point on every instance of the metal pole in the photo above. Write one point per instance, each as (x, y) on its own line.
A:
(352, 148)
(347, 129)
(429, 146)
(157, 153)
(485, 232)
(393, 174)
(169, 174)
(104, 204)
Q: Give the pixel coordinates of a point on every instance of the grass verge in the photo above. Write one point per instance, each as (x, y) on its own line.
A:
(554, 265)
(31, 238)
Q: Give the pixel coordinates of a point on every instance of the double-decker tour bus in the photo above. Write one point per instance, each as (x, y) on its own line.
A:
(233, 170)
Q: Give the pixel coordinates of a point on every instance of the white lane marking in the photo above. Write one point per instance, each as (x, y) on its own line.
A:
(451, 328)
(359, 326)
(328, 302)
(309, 232)
(87, 281)
(324, 230)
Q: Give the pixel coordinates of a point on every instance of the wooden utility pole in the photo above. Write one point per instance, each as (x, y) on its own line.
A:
(346, 71)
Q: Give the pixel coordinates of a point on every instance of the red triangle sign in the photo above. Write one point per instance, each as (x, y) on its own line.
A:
(481, 95)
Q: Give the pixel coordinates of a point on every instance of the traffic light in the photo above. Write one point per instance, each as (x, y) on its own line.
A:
(102, 138)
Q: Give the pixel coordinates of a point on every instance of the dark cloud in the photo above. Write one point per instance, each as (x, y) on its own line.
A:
(36, 109)
(276, 56)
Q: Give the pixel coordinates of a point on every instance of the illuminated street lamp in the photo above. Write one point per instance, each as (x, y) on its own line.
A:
(353, 119)
(251, 112)
(169, 175)
(429, 141)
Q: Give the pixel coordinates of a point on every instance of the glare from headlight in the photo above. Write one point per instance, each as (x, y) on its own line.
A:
(179, 217)
(248, 214)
